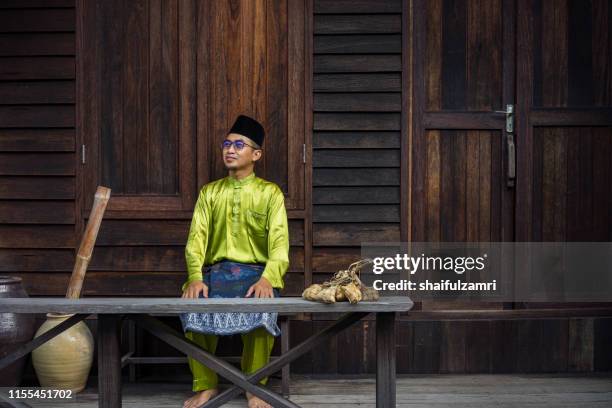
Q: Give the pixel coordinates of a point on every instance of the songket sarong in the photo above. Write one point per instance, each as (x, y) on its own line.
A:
(228, 279)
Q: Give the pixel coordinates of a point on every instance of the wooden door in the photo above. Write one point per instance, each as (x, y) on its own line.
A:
(564, 146)
(251, 60)
(564, 187)
(463, 73)
(162, 82)
(137, 116)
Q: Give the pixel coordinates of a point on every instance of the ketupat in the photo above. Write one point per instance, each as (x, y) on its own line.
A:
(327, 295)
(312, 292)
(344, 285)
(352, 292)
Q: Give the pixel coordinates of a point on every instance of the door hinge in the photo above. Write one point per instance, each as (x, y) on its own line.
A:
(83, 154)
(304, 153)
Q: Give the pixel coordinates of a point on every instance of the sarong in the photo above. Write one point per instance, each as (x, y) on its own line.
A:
(229, 279)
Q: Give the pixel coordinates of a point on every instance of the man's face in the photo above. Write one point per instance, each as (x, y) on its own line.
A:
(235, 159)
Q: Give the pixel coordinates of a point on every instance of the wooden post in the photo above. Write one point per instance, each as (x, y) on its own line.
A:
(385, 360)
(109, 361)
(285, 371)
(87, 242)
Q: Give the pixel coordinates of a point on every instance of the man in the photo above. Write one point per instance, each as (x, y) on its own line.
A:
(239, 232)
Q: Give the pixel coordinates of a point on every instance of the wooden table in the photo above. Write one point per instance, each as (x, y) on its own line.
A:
(111, 311)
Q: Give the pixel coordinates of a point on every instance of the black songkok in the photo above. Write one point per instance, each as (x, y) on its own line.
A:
(250, 128)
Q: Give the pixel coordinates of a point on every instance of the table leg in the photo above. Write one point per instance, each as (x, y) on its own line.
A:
(385, 360)
(132, 345)
(285, 371)
(109, 361)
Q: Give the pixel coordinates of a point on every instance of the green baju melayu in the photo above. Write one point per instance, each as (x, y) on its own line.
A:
(242, 221)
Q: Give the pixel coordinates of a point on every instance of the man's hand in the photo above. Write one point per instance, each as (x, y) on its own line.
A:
(192, 291)
(261, 289)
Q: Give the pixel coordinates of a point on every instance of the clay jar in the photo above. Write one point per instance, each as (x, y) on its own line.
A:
(64, 361)
(15, 330)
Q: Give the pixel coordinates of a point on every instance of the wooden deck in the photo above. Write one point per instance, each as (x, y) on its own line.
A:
(427, 390)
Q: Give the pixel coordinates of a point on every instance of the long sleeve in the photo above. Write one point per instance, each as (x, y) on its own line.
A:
(278, 241)
(197, 241)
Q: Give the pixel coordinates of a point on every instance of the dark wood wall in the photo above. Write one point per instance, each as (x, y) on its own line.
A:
(38, 209)
(357, 105)
(392, 102)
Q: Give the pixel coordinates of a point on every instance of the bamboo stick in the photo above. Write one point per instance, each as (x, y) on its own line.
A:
(87, 242)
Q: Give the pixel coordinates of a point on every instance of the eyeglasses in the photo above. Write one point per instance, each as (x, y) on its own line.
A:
(238, 144)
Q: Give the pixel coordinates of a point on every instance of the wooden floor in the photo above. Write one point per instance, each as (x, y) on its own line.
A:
(432, 391)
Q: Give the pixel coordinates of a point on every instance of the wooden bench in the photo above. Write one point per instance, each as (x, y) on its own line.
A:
(131, 360)
(111, 311)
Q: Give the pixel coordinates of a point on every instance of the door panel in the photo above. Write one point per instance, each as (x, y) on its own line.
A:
(571, 53)
(463, 55)
(564, 117)
(251, 59)
(137, 103)
(572, 184)
(463, 73)
(462, 193)
(564, 120)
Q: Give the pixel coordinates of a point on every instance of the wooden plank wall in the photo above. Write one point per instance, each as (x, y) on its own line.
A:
(357, 104)
(356, 129)
(358, 84)
(37, 141)
(355, 185)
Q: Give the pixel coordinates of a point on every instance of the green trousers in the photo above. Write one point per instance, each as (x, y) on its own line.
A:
(256, 349)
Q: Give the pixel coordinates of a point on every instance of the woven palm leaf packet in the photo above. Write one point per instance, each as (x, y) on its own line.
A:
(344, 286)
